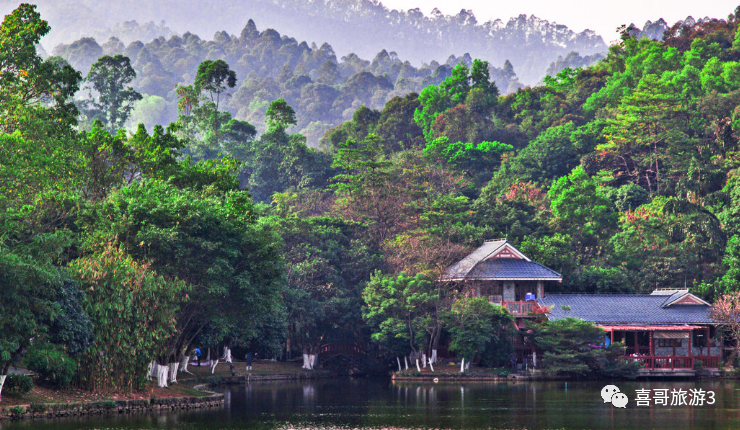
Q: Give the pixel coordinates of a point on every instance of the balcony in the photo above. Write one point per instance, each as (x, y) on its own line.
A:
(520, 308)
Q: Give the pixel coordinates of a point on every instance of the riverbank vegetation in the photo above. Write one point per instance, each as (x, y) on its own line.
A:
(119, 249)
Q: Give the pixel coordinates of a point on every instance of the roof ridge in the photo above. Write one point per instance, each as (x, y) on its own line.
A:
(602, 294)
(545, 267)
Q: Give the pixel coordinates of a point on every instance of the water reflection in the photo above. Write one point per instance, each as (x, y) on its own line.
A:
(328, 404)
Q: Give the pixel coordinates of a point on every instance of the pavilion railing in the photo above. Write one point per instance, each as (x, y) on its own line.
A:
(675, 362)
(642, 350)
(520, 308)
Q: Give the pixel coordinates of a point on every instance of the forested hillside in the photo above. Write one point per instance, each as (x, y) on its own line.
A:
(363, 27)
(324, 90)
(622, 176)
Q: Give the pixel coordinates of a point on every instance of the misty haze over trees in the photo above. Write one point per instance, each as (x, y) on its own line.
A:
(362, 54)
(349, 26)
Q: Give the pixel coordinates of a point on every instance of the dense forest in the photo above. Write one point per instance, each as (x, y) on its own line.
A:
(363, 27)
(118, 247)
(323, 89)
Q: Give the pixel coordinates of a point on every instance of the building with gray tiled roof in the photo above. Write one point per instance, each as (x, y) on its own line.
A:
(669, 330)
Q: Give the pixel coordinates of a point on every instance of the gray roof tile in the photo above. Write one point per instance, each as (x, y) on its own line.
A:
(625, 309)
(510, 268)
(475, 266)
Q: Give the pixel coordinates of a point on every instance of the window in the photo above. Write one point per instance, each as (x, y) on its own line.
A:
(668, 343)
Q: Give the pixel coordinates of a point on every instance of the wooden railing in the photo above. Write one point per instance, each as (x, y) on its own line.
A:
(675, 362)
(520, 308)
(342, 348)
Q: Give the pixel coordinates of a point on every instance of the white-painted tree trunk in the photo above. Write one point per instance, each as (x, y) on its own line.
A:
(173, 372)
(462, 365)
(424, 360)
(430, 365)
(434, 356)
(467, 366)
(534, 359)
(151, 371)
(184, 362)
(2, 382)
(406, 362)
(227, 355)
(418, 369)
(213, 366)
(306, 362)
(162, 375)
(398, 360)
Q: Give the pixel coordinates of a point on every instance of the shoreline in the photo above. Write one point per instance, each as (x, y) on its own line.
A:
(45, 410)
(107, 407)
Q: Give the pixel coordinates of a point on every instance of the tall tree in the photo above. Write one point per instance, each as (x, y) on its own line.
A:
(33, 90)
(109, 78)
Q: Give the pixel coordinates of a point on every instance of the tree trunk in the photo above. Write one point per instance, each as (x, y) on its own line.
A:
(309, 361)
(399, 364)
(162, 375)
(467, 366)
(227, 355)
(423, 360)
(2, 382)
(417, 366)
(462, 365)
(431, 366)
(173, 372)
(406, 362)
(434, 356)
(151, 372)
(184, 362)
(213, 366)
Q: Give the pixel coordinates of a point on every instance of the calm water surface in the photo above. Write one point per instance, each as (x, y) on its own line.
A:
(380, 403)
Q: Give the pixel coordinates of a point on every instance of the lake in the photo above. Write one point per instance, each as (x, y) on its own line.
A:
(381, 403)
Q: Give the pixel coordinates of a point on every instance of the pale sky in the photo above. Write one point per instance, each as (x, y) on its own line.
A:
(599, 15)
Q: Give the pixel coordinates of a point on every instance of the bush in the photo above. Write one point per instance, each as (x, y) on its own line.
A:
(18, 384)
(37, 407)
(51, 364)
(109, 404)
(698, 365)
(17, 411)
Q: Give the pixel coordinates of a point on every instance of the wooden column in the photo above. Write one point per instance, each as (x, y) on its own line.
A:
(612, 336)
(652, 350)
(635, 337)
(706, 341)
(691, 340)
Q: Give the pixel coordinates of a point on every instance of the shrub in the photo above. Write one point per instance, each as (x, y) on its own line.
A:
(18, 384)
(37, 407)
(109, 404)
(17, 411)
(51, 364)
(698, 365)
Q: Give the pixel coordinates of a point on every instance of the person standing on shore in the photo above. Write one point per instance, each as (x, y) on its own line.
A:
(512, 360)
(197, 355)
(249, 361)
